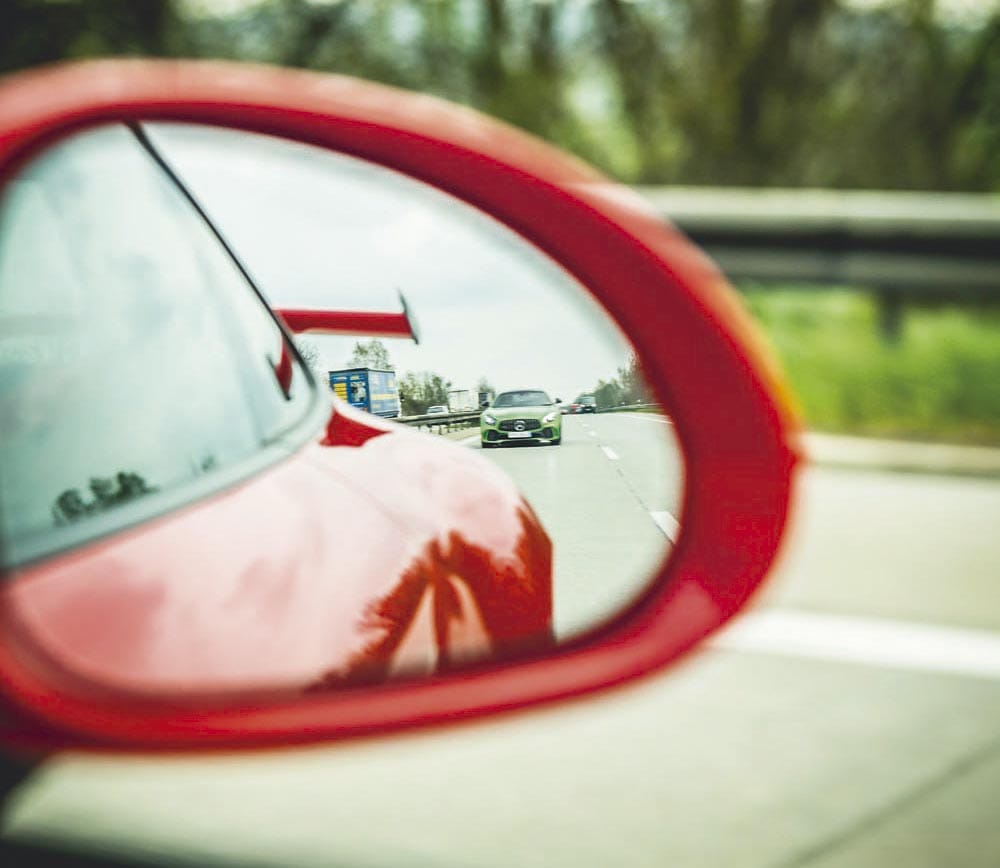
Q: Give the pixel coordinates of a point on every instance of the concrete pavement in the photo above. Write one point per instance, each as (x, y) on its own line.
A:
(599, 495)
(837, 450)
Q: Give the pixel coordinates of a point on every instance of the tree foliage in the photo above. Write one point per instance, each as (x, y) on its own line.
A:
(899, 94)
(35, 31)
(417, 392)
(310, 354)
(370, 354)
(628, 387)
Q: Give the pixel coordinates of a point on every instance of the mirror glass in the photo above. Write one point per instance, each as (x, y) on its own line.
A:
(139, 372)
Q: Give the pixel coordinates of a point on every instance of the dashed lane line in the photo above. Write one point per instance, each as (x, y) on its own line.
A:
(667, 523)
(612, 455)
(649, 417)
(849, 639)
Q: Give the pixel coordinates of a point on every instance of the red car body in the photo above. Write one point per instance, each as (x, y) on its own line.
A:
(372, 552)
(351, 553)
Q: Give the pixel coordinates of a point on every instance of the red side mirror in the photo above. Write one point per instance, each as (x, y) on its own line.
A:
(694, 342)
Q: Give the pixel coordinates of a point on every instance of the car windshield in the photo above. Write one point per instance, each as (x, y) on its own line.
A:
(586, 399)
(522, 399)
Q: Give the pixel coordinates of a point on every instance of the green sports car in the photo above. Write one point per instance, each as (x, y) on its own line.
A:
(521, 415)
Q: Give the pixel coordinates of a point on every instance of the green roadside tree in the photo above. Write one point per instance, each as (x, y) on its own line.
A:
(418, 391)
(310, 355)
(370, 354)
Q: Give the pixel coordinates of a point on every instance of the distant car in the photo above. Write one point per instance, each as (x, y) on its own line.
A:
(568, 409)
(585, 404)
(437, 410)
(521, 415)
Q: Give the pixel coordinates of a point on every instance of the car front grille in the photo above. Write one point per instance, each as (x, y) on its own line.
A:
(520, 425)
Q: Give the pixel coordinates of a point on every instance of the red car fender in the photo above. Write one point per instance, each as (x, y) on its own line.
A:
(375, 552)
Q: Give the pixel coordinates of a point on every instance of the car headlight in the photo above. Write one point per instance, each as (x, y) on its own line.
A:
(488, 419)
(550, 418)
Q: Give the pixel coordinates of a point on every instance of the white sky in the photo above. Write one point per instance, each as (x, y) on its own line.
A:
(318, 229)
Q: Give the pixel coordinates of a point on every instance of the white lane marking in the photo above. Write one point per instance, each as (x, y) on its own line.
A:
(667, 523)
(592, 433)
(607, 450)
(868, 641)
(650, 417)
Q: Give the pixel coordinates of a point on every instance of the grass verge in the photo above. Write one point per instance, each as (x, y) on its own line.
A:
(939, 381)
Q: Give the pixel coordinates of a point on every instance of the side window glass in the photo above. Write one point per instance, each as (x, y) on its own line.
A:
(134, 357)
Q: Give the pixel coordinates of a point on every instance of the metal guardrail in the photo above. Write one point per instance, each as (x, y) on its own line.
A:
(625, 408)
(440, 423)
(903, 247)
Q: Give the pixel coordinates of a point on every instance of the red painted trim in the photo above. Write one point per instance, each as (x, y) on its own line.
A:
(283, 370)
(697, 346)
(347, 322)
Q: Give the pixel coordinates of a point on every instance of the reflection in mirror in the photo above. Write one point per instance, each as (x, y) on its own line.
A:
(114, 314)
(123, 319)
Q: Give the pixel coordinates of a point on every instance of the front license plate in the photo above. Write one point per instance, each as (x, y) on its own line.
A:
(519, 434)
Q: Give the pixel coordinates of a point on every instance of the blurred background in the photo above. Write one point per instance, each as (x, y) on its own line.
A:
(889, 95)
(853, 723)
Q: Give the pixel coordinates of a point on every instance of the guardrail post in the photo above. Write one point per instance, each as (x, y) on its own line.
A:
(890, 315)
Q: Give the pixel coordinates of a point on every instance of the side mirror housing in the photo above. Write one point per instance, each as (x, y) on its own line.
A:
(697, 347)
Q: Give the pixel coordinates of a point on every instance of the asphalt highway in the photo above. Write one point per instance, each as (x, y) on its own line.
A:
(850, 720)
(609, 496)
